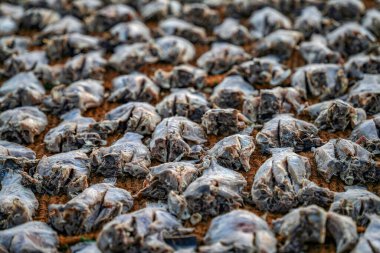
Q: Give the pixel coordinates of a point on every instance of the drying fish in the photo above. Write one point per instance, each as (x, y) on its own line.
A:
(312, 194)
(74, 132)
(84, 66)
(358, 203)
(130, 32)
(369, 242)
(348, 10)
(224, 121)
(65, 173)
(234, 151)
(266, 21)
(134, 87)
(359, 65)
(160, 9)
(13, 45)
(349, 39)
(232, 92)
(286, 131)
(335, 115)
(269, 102)
(33, 236)
(316, 51)
(182, 76)
(22, 124)
(108, 16)
(371, 21)
(279, 44)
(67, 24)
(175, 50)
(263, 71)
(277, 182)
(172, 176)
(181, 28)
(217, 191)
(136, 117)
(84, 94)
(17, 203)
(48, 75)
(97, 205)
(70, 44)
(7, 26)
(176, 138)
(324, 81)
(85, 247)
(38, 18)
(127, 156)
(128, 58)
(202, 15)
(367, 134)
(221, 58)
(184, 102)
(21, 90)
(23, 62)
(306, 225)
(145, 230)
(366, 94)
(15, 157)
(231, 31)
(239, 231)
(348, 160)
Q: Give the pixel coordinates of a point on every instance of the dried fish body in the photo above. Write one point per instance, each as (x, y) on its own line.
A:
(344, 10)
(127, 58)
(366, 94)
(286, 131)
(181, 28)
(343, 230)
(367, 134)
(23, 89)
(234, 152)
(232, 32)
(201, 15)
(359, 65)
(221, 58)
(182, 76)
(312, 194)
(175, 50)
(74, 132)
(184, 102)
(22, 124)
(67, 24)
(239, 231)
(369, 242)
(130, 32)
(85, 247)
(277, 182)
(15, 157)
(83, 94)
(24, 62)
(7, 26)
(136, 117)
(268, 20)
(145, 230)
(176, 138)
(316, 51)
(224, 121)
(324, 81)
(279, 44)
(33, 236)
(17, 203)
(83, 66)
(357, 203)
(65, 173)
(350, 39)
(269, 102)
(232, 92)
(172, 176)
(134, 87)
(38, 18)
(108, 16)
(348, 160)
(13, 45)
(127, 156)
(70, 44)
(335, 115)
(371, 21)
(90, 210)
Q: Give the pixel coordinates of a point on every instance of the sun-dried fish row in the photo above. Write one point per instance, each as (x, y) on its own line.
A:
(23, 62)
(181, 28)
(127, 156)
(347, 10)
(38, 18)
(269, 102)
(202, 15)
(90, 210)
(182, 76)
(184, 102)
(232, 32)
(176, 138)
(285, 131)
(369, 242)
(175, 50)
(130, 32)
(239, 231)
